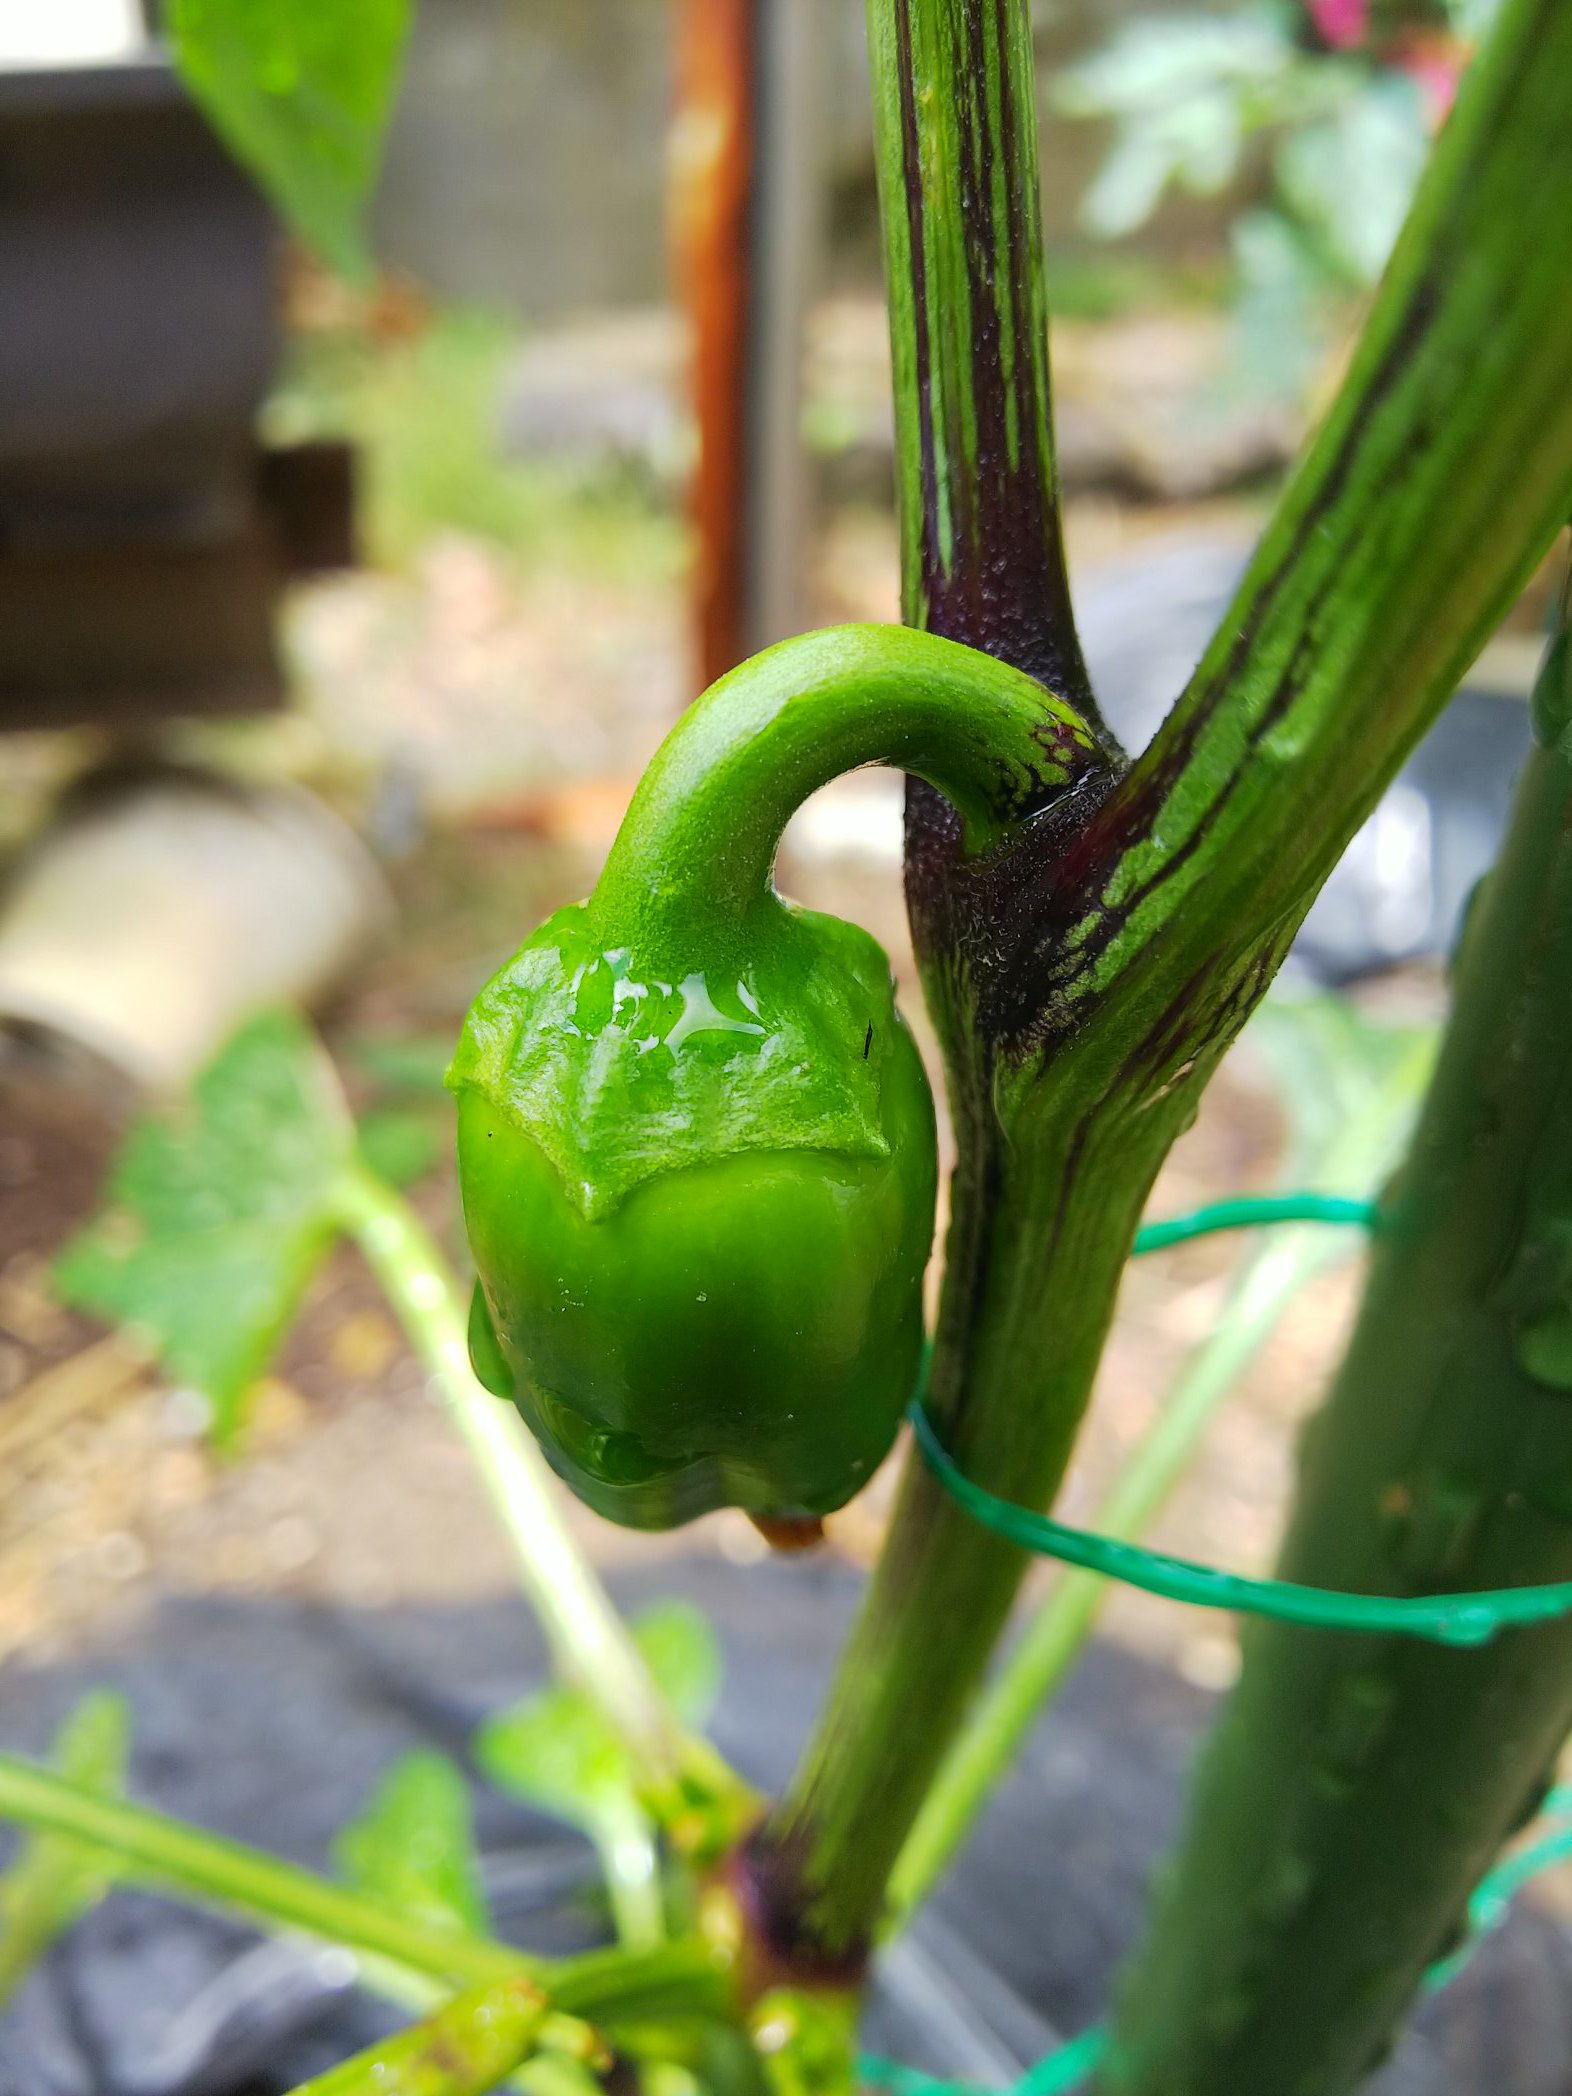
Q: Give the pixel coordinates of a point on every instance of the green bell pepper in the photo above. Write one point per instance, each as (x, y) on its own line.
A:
(696, 1141)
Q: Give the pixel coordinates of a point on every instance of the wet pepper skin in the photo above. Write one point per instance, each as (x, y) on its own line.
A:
(739, 1330)
(696, 1141)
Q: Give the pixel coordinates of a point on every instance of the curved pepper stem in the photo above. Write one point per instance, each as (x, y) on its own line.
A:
(700, 837)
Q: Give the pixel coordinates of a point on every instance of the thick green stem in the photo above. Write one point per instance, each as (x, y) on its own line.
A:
(676, 1979)
(982, 549)
(1085, 999)
(702, 830)
(589, 1642)
(1057, 1632)
(1357, 1788)
(822, 1865)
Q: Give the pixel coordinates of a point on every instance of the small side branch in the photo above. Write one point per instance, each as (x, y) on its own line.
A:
(462, 2049)
(589, 1641)
(677, 1979)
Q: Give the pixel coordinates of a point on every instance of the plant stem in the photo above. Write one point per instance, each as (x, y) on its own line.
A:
(1054, 1637)
(51, 1883)
(1058, 1630)
(702, 830)
(982, 549)
(167, 1852)
(462, 2049)
(401, 1989)
(630, 1864)
(1085, 987)
(677, 1979)
(589, 1642)
(1357, 1788)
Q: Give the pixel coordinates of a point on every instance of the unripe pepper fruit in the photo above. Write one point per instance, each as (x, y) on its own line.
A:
(696, 1141)
(737, 1319)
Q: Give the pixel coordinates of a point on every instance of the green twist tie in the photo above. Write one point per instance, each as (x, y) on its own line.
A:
(1444, 1619)
(1461, 1619)
(1246, 1210)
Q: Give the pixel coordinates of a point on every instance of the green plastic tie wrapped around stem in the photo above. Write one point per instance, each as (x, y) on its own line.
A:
(1446, 1619)
(1245, 1210)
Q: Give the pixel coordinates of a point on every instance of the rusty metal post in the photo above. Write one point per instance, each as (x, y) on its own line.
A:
(711, 180)
(743, 189)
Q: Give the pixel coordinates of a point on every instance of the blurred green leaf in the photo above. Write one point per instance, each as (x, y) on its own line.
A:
(423, 413)
(1373, 149)
(1129, 185)
(557, 1752)
(220, 1211)
(1185, 94)
(1154, 62)
(555, 2074)
(414, 1846)
(1281, 312)
(1348, 138)
(54, 1881)
(683, 1653)
(402, 1143)
(301, 93)
(416, 1062)
(1195, 146)
(1472, 18)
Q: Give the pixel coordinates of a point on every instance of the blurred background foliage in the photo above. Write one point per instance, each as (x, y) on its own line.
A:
(1221, 185)
(1312, 120)
(420, 394)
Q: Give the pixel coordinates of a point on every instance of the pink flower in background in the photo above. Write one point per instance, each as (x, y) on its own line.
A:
(1344, 24)
(1435, 68)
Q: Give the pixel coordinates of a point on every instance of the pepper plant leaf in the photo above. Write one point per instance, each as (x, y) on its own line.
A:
(220, 1211)
(414, 1845)
(301, 93)
(555, 1750)
(683, 1653)
(53, 1881)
